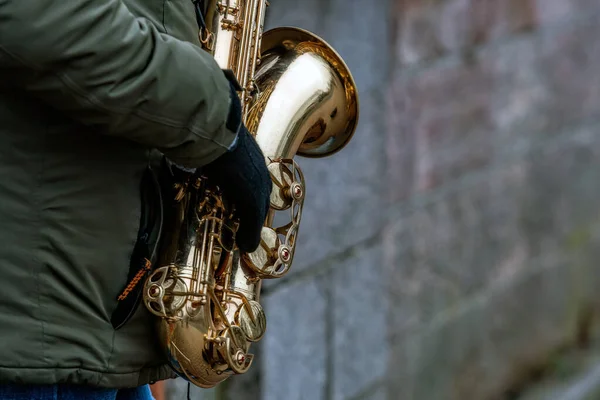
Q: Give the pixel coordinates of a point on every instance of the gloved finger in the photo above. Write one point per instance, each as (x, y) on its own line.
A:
(251, 223)
(248, 237)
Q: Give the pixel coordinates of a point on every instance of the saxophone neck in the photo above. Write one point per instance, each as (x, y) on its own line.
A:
(233, 37)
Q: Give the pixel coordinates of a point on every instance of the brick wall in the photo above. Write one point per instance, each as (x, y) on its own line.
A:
(451, 249)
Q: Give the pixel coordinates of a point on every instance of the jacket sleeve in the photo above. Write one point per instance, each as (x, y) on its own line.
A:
(94, 61)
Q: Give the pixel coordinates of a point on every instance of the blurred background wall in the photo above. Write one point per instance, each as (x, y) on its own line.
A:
(451, 250)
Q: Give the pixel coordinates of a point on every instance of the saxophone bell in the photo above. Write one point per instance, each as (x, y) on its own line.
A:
(311, 94)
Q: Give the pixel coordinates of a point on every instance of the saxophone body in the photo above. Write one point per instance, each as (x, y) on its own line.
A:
(298, 98)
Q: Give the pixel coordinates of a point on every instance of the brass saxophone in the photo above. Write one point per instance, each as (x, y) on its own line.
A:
(298, 97)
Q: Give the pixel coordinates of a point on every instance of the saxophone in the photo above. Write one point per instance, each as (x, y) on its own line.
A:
(298, 98)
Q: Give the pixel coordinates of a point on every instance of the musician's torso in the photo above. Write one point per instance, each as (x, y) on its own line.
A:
(70, 213)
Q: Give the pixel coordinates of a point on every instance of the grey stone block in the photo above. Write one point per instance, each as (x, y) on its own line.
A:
(464, 114)
(574, 376)
(376, 392)
(552, 89)
(307, 14)
(431, 29)
(559, 11)
(459, 242)
(451, 247)
(360, 307)
(379, 394)
(293, 360)
(479, 350)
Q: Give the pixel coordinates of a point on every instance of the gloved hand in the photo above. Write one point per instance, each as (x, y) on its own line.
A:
(242, 175)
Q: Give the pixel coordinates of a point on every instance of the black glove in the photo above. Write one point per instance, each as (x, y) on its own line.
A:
(242, 175)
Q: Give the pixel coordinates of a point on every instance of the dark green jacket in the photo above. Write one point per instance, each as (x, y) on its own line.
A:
(88, 89)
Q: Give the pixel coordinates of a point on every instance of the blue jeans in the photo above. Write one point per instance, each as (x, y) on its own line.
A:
(72, 392)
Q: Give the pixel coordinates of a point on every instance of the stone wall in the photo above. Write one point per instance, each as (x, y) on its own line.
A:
(493, 149)
(450, 251)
